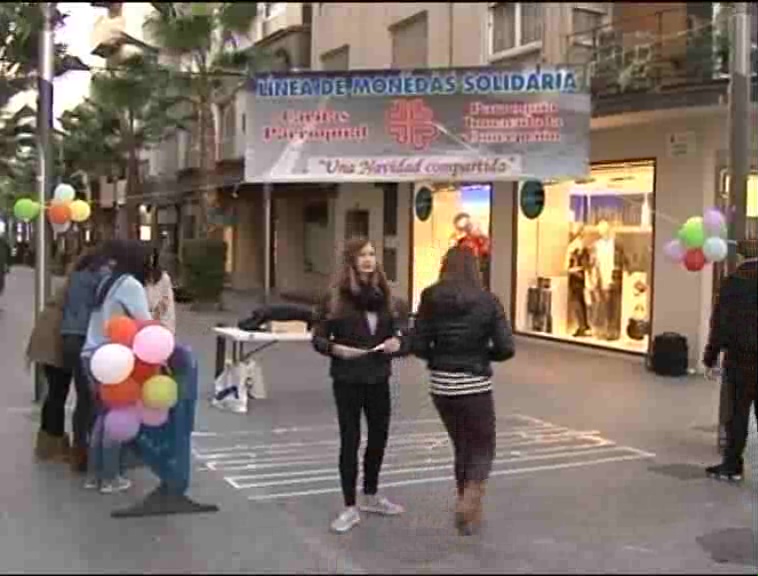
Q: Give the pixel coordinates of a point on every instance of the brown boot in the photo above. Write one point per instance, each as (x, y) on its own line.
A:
(61, 448)
(78, 459)
(471, 508)
(44, 449)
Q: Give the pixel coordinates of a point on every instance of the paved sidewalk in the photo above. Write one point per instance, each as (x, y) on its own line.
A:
(599, 469)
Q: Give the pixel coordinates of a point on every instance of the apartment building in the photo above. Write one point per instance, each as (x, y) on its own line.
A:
(657, 75)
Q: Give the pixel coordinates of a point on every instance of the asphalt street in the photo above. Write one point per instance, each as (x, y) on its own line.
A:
(598, 469)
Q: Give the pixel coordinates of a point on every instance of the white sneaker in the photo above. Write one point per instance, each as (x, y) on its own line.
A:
(120, 484)
(346, 521)
(380, 505)
(91, 484)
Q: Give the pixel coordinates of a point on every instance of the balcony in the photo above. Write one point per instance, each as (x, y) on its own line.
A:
(666, 59)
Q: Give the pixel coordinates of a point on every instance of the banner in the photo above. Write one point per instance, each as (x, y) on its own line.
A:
(477, 124)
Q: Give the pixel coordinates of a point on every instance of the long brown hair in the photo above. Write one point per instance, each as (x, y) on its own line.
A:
(346, 280)
(461, 266)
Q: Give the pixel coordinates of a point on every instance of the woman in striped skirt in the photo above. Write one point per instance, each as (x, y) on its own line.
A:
(460, 329)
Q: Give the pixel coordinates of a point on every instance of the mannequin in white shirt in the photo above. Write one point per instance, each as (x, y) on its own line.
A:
(608, 260)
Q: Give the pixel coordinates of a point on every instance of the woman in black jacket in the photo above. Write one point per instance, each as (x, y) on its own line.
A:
(460, 329)
(361, 328)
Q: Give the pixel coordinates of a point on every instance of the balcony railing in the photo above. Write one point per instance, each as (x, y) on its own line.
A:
(662, 51)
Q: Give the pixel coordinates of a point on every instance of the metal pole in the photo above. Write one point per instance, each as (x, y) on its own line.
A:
(267, 244)
(739, 123)
(44, 176)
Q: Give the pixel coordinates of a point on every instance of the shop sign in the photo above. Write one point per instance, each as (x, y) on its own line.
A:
(681, 144)
(470, 124)
(532, 199)
(424, 203)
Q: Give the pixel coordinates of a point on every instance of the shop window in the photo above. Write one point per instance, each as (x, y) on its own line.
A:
(458, 214)
(584, 266)
(514, 24)
(318, 243)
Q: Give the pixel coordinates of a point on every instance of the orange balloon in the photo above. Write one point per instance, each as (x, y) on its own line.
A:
(59, 213)
(121, 395)
(121, 330)
(143, 371)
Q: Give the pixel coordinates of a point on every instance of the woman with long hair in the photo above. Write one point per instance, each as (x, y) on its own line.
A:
(361, 328)
(460, 330)
(160, 293)
(121, 293)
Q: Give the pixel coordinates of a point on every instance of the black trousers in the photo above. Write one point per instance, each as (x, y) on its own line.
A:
(54, 409)
(470, 423)
(579, 305)
(84, 413)
(737, 430)
(353, 400)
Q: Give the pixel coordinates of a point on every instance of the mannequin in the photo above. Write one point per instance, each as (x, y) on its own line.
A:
(577, 265)
(611, 263)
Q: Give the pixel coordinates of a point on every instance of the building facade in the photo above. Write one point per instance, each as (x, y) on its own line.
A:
(658, 153)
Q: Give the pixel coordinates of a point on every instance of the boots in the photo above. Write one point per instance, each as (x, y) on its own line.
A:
(471, 508)
(51, 447)
(78, 459)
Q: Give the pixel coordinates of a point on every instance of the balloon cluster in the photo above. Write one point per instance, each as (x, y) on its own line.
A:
(128, 369)
(699, 241)
(62, 211)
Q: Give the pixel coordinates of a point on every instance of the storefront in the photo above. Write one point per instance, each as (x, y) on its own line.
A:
(584, 266)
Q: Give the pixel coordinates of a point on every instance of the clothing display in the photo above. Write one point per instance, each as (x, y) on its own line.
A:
(540, 306)
(579, 262)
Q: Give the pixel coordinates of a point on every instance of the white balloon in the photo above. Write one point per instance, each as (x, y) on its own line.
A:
(715, 249)
(64, 193)
(112, 364)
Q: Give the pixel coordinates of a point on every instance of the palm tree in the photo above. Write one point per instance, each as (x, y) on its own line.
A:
(129, 110)
(204, 37)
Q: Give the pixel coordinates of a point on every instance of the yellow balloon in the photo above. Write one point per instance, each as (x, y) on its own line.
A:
(80, 211)
(160, 393)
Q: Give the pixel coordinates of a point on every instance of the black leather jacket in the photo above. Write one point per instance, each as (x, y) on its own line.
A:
(461, 330)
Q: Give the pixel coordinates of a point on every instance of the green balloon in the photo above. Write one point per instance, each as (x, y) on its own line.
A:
(26, 210)
(692, 233)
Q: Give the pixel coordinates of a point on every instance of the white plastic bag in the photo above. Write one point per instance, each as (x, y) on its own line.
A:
(229, 392)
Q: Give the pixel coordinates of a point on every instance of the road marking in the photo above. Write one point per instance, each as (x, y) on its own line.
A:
(273, 470)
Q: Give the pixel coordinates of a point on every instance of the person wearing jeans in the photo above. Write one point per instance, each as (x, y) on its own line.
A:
(460, 329)
(121, 293)
(361, 328)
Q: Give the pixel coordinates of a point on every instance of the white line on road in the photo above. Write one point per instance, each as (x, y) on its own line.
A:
(448, 478)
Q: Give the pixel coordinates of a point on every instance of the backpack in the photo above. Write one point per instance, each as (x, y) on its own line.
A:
(669, 355)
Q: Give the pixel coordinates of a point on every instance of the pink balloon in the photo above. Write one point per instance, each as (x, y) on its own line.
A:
(714, 223)
(154, 418)
(675, 251)
(122, 424)
(154, 344)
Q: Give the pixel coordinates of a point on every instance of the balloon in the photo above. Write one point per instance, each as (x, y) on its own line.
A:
(122, 424)
(26, 210)
(143, 371)
(121, 395)
(160, 393)
(64, 193)
(59, 213)
(154, 344)
(714, 223)
(715, 249)
(145, 323)
(692, 233)
(121, 330)
(694, 260)
(61, 228)
(112, 363)
(675, 251)
(80, 211)
(152, 417)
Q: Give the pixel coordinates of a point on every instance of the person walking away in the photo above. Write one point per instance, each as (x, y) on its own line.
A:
(460, 329)
(160, 293)
(121, 293)
(45, 348)
(361, 328)
(86, 275)
(733, 331)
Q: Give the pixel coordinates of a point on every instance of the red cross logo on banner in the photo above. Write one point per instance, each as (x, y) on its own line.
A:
(411, 122)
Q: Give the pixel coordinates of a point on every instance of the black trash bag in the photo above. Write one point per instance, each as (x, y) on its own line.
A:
(277, 313)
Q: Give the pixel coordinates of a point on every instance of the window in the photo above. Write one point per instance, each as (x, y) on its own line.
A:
(586, 25)
(338, 59)
(356, 224)
(515, 24)
(228, 131)
(584, 266)
(410, 43)
(318, 238)
(273, 9)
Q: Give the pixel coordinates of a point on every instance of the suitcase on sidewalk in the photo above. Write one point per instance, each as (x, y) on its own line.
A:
(670, 354)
